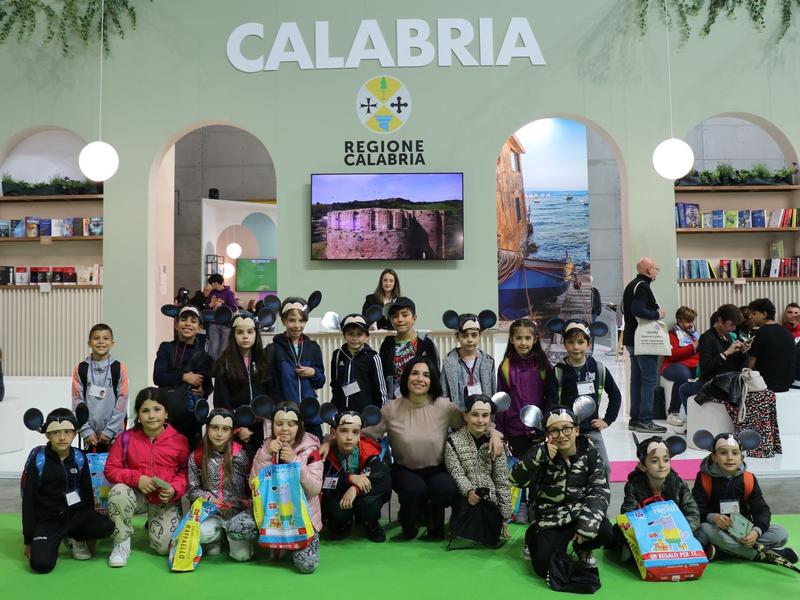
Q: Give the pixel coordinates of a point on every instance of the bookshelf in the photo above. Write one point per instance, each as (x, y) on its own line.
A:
(51, 251)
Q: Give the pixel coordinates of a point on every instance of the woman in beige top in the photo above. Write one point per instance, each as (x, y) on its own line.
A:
(417, 425)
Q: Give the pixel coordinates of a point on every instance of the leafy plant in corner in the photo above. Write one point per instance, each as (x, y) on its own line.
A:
(67, 20)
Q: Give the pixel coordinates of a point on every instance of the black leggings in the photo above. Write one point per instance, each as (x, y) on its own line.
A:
(543, 543)
(84, 524)
(415, 487)
(366, 507)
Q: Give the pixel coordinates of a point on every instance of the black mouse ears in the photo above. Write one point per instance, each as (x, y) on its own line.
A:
(498, 403)
(596, 329)
(174, 312)
(484, 320)
(373, 314)
(264, 319)
(293, 302)
(370, 416)
(35, 420)
(263, 407)
(675, 445)
(241, 417)
(747, 439)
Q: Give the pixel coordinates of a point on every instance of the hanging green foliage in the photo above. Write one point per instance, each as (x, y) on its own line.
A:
(66, 20)
(679, 12)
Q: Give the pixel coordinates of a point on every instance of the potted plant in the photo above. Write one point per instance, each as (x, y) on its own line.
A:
(691, 178)
(726, 174)
(12, 187)
(787, 174)
(760, 175)
(709, 178)
(740, 176)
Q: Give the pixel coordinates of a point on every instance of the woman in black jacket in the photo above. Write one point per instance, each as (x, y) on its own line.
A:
(386, 292)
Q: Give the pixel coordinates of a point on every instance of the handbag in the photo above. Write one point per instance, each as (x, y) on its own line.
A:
(568, 574)
(725, 387)
(280, 508)
(185, 550)
(651, 338)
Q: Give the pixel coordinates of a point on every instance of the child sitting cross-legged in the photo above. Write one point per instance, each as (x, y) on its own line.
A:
(356, 481)
(653, 480)
(724, 487)
(480, 476)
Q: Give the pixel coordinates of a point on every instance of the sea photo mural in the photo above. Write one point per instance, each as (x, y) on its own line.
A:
(543, 257)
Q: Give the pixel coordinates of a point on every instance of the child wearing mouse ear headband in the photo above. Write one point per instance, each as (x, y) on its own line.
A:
(357, 482)
(218, 472)
(723, 487)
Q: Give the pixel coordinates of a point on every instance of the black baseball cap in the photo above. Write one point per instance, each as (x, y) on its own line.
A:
(400, 303)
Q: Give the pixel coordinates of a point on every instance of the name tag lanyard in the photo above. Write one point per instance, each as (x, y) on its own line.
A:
(105, 375)
(470, 372)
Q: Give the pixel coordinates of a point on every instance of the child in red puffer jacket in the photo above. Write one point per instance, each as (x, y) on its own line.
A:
(147, 466)
(681, 366)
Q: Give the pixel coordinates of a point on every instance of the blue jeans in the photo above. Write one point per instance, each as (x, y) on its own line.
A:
(644, 379)
(678, 374)
(689, 389)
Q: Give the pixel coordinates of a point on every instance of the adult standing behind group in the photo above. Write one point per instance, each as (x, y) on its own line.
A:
(638, 301)
(772, 352)
(387, 291)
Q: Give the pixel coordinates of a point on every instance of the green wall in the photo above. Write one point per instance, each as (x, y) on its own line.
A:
(171, 75)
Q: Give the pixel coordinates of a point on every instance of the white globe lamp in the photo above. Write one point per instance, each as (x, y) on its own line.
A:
(98, 161)
(233, 250)
(673, 158)
(228, 270)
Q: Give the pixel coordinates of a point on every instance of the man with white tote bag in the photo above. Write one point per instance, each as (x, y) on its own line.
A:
(643, 313)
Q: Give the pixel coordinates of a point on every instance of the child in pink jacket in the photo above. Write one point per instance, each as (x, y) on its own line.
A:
(147, 467)
(290, 443)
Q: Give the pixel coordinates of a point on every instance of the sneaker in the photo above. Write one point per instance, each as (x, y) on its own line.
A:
(674, 419)
(79, 550)
(632, 425)
(526, 553)
(649, 428)
(374, 532)
(711, 552)
(786, 553)
(212, 549)
(681, 429)
(120, 553)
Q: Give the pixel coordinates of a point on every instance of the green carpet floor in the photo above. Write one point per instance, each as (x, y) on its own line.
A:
(414, 570)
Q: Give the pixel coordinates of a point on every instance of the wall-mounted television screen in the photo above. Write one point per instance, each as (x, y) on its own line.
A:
(256, 275)
(387, 216)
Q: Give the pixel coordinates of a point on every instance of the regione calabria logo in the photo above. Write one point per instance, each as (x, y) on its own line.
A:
(383, 104)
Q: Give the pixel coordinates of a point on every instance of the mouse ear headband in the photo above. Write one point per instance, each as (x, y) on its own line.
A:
(498, 403)
(674, 445)
(745, 440)
(293, 303)
(596, 329)
(59, 419)
(175, 312)
(264, 319)
(370, 416)
(484, 320)
(373, 314)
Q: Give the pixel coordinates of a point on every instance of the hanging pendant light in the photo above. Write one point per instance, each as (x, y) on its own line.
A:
(673, 158)
(99, 160)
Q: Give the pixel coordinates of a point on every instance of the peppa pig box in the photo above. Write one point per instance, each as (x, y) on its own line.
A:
(662, 543)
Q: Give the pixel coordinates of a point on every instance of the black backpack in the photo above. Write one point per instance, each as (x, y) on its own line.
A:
(83, 375)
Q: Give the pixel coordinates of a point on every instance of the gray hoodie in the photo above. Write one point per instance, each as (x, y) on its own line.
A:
(454, 376)
(106, 414)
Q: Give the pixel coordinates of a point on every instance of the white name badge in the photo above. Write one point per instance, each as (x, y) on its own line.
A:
(585, 388)
(96, 391)
(727, 507)
(330, 483)
(351, 388)
(473, 390)
(73, 498)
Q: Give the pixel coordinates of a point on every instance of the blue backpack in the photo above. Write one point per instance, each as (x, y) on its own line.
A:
(37, 456)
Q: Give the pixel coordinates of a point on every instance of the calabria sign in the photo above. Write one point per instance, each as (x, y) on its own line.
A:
(417, 44)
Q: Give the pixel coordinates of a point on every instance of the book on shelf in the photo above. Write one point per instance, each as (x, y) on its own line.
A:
(45, 227)
(756, 267)
(22, 276)
(96, 226)
(5, 228)
(67, 225)
(776, 249)
(775, 217)
(6, 275)
(731, 219)
(718, 218)
(745, 267)
(680, 215)
(40, 275)
(692, 216)
(18, 228)
(708, 220)
(745, 221)
(775, 267)
(57, 228)
(759, 217)
(724, 268)
(31, 227)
